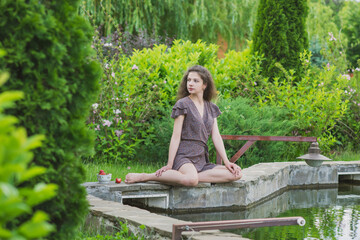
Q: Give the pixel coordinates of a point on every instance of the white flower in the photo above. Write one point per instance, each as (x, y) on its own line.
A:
(113, 74)
(119, 132)
(346, 76)
(107, 44)
(107, 123)
(95, 105)
(117, 111)
(134, 67)
(332, 38)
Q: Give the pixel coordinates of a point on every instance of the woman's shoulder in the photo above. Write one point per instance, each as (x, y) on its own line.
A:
(214, 109)
(183, 100)
(180, 108)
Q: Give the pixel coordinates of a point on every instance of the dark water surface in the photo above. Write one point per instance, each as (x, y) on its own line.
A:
(329, 213)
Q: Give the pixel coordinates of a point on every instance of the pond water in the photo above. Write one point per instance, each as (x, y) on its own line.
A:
(329, 213)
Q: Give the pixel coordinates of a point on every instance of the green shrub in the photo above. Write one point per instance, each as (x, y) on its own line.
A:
(238, 74)
(50, 60)
(315, 102)
(239, 117)
(15, 158)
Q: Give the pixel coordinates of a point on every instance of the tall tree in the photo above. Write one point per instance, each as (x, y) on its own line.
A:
(49, 58)
(280, 34)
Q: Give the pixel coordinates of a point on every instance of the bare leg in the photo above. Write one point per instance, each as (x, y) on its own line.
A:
(187, 176)
(219, 174)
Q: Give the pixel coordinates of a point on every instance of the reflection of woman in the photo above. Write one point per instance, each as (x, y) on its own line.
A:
(195, 119)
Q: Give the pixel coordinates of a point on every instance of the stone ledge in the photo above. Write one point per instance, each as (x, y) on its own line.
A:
(258, 183)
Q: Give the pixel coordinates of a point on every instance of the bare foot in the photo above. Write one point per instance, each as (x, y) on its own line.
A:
(135, 177)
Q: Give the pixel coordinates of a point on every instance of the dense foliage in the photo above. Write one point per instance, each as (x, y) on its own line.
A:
(350, 16)
(280, 36)
(15, 158)
(188, 20)
(49, 50)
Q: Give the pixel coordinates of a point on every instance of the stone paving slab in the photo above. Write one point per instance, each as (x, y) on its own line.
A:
(161, 225)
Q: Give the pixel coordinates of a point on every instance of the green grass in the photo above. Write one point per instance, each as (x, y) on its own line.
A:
(347, 156)
(118, 170)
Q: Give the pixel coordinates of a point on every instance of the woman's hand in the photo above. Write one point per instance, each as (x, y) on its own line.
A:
(233, 168)
(161, 170)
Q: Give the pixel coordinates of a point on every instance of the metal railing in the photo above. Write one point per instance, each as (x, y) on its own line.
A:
(231, 224)
(252, 139)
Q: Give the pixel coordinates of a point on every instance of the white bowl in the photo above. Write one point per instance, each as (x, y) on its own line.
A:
(104, 178)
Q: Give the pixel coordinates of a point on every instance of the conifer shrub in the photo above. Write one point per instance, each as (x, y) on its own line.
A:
(50, 60)
(350, 16)
(280, 35)
(17, 200)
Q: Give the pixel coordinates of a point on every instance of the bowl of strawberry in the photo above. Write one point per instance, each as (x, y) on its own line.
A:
(104, 177)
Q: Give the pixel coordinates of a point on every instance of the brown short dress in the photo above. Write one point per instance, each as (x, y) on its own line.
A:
(195, 133)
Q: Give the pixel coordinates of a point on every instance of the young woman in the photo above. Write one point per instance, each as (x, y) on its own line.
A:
(195, 119)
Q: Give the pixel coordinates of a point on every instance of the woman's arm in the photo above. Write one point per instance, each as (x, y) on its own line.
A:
(219, 145)
(174, 144)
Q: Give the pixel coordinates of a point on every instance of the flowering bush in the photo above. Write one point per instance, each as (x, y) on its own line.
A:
(347, 129)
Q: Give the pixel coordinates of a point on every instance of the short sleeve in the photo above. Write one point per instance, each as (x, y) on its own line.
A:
(215, 110)
(179, 109)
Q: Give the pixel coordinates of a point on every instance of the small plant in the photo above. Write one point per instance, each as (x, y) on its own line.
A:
(123, 233)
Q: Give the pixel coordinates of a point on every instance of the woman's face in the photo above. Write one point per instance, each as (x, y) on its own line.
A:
(195, 84)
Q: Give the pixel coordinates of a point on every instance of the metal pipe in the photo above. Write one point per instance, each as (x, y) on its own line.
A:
(231, 224)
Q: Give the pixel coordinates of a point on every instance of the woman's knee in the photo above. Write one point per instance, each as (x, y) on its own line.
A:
(190, 181)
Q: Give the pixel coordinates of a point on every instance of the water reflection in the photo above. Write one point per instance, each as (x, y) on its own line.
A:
(329, 214)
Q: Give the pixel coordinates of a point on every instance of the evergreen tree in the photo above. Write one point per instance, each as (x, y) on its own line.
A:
(280, 34)
(49, 58)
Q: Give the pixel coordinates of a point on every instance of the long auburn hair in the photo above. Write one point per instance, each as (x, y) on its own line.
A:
(210, 90)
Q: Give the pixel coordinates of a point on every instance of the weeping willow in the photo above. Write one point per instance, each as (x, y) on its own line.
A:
(181, 19)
